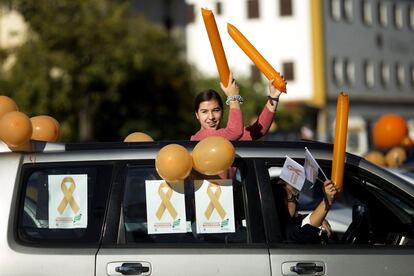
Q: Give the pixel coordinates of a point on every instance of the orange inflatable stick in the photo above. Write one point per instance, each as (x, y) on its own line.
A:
(341, 128)
(261, 63)
(216, 45)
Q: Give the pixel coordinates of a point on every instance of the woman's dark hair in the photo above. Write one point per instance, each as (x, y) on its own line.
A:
(207, 95)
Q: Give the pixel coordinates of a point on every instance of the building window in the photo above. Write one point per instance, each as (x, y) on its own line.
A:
(336, 9)
(398, 16)
(411, 17)
(349, 10)
(288, 71)
(252, 8)
(400, 74)
(190, 13)
(382, 14)
(338, 71)
(366, 8)
(350, 72)
(255, 74)
(369, 74)
(218, 8)
(286, 7)
(385, 73)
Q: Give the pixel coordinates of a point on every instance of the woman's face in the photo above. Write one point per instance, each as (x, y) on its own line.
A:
(209, 114)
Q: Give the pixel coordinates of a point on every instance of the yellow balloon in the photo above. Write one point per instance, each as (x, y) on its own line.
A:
(213, 155)
(395, 157)
(15, 128)
(138, 137)
(173, 163)
(7, 105)
(45, 128)
(375, 157)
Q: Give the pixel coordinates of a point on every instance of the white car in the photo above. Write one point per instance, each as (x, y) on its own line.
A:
(89, 209)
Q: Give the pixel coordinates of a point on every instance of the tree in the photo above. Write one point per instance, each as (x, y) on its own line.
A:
(100, 71)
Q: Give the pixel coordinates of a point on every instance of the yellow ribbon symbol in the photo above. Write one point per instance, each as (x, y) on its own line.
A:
(67, 195)
(165, 201)
(214, 201)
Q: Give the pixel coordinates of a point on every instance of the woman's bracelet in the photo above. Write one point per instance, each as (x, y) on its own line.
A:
(272, 99)
(234, 98)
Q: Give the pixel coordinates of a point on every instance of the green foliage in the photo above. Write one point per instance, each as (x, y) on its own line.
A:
(100, 72)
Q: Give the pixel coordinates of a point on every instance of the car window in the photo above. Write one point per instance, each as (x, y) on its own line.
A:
(144, 198)
(63, 203)
(369, 210)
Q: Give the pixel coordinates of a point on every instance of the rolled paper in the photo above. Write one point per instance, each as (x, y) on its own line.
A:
(216, 46)
(341, 128)
(260, 62)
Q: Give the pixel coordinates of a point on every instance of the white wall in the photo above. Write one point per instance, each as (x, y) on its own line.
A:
(278, 39)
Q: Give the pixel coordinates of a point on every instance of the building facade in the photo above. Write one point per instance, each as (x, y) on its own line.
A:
(362, 47)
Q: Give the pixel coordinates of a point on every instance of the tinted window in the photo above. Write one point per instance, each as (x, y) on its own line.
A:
(136, 207)
(63, 203)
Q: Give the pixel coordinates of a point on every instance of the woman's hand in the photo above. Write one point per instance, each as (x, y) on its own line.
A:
(330, 191)
(273, 92)
(232, 88)
(326, 227)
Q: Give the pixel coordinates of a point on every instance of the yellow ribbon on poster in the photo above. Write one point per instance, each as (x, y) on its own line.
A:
(165, 192)
(214, 201)
(67, 195)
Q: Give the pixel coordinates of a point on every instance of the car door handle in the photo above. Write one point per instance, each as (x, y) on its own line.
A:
(131, 269)
(306, 268)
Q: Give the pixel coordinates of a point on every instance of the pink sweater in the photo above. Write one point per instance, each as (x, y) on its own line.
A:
(234, 130)
(259, 128)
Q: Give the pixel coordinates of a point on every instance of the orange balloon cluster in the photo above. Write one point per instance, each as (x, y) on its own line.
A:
(389, 131)
(16, 129)
(213, 155)
(138, 137)
(173, 163)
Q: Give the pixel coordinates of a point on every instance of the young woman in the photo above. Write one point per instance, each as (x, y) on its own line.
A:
(208, 108)
(307, 229)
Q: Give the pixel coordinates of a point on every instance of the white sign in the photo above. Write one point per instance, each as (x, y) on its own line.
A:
(68, 201)
(214, 206)
(293, 173)
(165, 207)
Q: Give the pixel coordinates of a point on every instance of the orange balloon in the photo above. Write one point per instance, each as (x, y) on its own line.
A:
(138, 137)
(389, 131)
(395, 157)
(15, 128)
(173, 163)
(213, 155)
(375, 157)
(407, 142)
(45, 128)
(6, 105)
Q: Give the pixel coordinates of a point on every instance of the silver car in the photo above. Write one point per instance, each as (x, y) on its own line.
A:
(374, 234)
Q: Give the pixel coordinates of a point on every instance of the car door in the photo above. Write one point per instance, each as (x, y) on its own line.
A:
(58, 220)
(131, 246)
(372, 221)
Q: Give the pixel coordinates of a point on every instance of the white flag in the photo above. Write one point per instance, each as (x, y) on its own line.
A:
(311, 167)
(293, 173)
